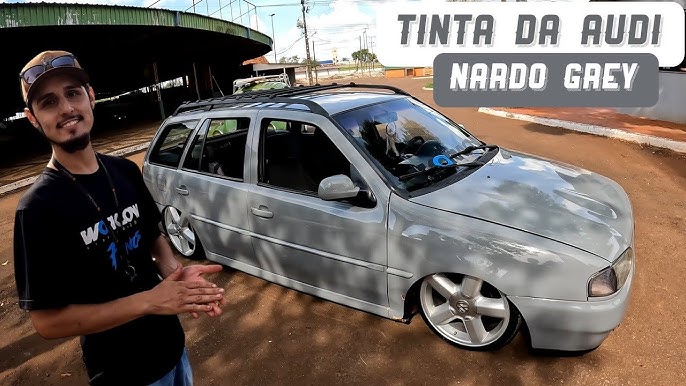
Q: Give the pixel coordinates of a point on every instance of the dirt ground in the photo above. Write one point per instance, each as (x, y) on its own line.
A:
(270, 335)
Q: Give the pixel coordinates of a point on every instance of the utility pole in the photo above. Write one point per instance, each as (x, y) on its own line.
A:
(307, 45)
(360, 51)
(371, 44)
(316, 73)
(273, 38)
(364, 33)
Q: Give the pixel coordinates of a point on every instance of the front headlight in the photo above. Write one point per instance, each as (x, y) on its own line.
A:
(612, 278)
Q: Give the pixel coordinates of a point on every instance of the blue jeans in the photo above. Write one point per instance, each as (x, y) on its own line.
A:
(180, 375)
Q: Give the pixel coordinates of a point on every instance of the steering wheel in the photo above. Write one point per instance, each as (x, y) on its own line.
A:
(414, 144)
(418, 138)
(430, 148)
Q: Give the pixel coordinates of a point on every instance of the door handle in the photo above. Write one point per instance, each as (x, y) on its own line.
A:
(182, 190)
(262, 211)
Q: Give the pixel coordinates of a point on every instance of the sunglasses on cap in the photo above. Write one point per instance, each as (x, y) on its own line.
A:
(32, 73)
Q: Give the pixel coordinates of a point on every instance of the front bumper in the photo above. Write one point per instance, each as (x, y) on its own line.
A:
(573, 326)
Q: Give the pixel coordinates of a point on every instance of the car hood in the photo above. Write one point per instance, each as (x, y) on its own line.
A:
(544, 197)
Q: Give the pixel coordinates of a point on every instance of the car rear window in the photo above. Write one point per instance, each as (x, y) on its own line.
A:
(169, 147)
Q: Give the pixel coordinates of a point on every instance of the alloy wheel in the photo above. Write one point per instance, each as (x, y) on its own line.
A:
(466, 311)
(179, 231)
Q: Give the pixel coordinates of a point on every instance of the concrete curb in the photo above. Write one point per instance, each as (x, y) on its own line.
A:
(30, 180)
(427, 88)
(665, 143)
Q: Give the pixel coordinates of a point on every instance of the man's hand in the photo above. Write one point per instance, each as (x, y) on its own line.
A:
(193, 273)
(175, 295)
(167, 263)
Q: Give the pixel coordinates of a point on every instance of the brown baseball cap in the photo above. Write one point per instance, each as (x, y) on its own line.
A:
(48, 64)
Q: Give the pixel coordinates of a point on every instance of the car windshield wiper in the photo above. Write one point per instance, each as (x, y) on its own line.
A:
(470, 149)
(442, 167)
(466, 150)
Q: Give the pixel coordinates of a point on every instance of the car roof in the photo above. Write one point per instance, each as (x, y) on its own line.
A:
(324, 100)
(337, 102)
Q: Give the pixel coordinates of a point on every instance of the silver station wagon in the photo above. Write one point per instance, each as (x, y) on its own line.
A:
(365, 196)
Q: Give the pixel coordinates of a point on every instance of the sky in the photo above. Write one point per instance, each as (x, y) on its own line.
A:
(340, 25)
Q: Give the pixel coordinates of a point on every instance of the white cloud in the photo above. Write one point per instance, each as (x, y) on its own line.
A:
(339, 27)
(259, 25)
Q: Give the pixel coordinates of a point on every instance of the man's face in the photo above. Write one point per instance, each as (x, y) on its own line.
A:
(63, 109)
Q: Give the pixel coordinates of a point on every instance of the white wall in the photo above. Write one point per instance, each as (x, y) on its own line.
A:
(671, 105)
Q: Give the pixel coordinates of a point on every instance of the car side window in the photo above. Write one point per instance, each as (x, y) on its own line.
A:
(297, 156)
(194, 155)
(224, 151)
(169, 147)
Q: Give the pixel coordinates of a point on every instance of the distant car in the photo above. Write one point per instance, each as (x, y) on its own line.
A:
(365, 196)
(261, 83)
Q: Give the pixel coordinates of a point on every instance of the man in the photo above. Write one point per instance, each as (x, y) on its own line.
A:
(88, 250)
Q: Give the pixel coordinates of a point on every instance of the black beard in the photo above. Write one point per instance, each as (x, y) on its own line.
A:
(75, 144)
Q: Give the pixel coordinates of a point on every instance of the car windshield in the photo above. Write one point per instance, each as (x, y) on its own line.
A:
(261, 86)
(259, 83)
(405, 137)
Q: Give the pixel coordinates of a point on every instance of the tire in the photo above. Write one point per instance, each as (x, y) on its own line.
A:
(181, 234)
(467, 312)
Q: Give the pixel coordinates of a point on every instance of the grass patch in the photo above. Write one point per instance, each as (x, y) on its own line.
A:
(430, 85)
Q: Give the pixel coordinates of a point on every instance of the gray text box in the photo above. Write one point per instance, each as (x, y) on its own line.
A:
(643, 91)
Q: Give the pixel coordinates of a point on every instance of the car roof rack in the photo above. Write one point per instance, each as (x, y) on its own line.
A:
(285, 96)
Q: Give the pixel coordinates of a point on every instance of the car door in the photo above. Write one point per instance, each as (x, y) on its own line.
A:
(210, 186)
(163, 158)
(334, 249)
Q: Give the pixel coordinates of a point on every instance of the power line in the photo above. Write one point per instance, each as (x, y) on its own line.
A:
(291, 46)
(335, 29)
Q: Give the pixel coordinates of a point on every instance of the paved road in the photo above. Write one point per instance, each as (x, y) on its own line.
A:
(272, 335)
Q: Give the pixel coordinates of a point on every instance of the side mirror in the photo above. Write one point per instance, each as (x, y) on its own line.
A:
(337, 187)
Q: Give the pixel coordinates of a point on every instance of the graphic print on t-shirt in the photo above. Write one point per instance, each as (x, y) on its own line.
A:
(101, 232)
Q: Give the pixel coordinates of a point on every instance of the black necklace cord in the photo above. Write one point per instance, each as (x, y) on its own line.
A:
(130, 270)
(66, 172)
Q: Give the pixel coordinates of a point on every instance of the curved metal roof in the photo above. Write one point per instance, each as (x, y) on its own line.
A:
(118, 44)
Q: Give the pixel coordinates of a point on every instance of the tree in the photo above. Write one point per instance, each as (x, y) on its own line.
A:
(313, 63)
(358, 57)
(364, 56)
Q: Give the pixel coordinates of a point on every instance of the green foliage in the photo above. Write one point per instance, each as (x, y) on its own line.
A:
(313, 63)
(290, 59)
(364, 56)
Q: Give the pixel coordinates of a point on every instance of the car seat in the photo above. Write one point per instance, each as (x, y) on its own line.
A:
(284, 161)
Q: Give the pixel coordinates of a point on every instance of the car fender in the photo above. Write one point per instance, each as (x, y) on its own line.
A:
(423, 241)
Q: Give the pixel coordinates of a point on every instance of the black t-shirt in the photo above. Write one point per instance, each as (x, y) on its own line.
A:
(65, 253)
